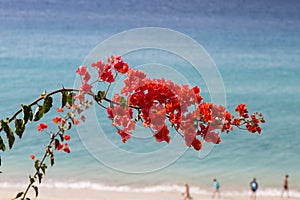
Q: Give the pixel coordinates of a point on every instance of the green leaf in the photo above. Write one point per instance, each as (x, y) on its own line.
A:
(40, 177)
(27, 112)
(50, 155)
(64, 97)
(2, 145)
(37, 165)
(69, 126)
(36, 189)
(47, 104)
(50, 150)
(38, 114)
(123, 103)
(100, 96)
(31, 179)
(70, 98)
(56, 143)
(19, 195)
(44, 167)
(9, 133)
(44, 93)
(52, 161)
(19, 127)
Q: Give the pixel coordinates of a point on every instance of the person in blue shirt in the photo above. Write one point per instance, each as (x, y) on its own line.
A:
(216, 188)
(253, 187)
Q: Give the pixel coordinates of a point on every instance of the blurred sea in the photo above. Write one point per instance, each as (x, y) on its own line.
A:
(256, 46)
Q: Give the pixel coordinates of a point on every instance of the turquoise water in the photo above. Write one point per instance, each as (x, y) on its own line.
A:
(257, 53)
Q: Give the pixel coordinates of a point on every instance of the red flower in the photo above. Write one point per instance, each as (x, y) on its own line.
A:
(125, 135)
(60, 110)
(196, 89)
(82, 117)
(212, 137)
(81, 70)
(162, 135)
(242, 109)
(80, 97)
(107, 76)
(197, 144)
(67, 149)
(119, 65)
(99, 65)
(42, 126)
(110, 113)
(32, 156)
(86, 77)
(56, 120)
(67, 137)
(76, 121)
(85, 88)
(59, 147)
(236, 122)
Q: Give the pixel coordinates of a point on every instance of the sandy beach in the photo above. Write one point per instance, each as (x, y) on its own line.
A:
(85, 194)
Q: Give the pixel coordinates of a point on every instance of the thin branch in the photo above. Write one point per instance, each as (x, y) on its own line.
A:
(39, 99)
(41, 163)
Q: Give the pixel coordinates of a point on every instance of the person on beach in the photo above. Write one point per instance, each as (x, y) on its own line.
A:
(285, 186)
(253, 187)
(186, 194)
(216, 189)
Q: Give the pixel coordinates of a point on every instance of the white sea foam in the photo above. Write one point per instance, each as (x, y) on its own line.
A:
(271, 192)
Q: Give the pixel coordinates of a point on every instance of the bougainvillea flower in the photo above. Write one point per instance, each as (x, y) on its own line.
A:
(56, 120)
(67, 137)
(162, 135)
(156, 102)
(109, 112)
(99, 65)
(76, 121)
(213, 137)
(125, 135)
(82, 117)
(42, 126)
(118, 64)
(85, 88)
(80, 98)
(81, 70)
(32, 156)
(60, 110)
(66, 148)
(59, 147)
(242, 110)
(197, 144)
(107, 76)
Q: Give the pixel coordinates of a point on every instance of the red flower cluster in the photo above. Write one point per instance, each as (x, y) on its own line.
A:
(159, 102)
(65, 147)
(85, 77)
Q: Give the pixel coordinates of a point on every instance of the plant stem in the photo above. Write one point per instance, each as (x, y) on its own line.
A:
(41, 163)
(39, 99)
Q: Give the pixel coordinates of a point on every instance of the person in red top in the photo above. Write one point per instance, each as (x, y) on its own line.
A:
(186, 194)
(285, 186)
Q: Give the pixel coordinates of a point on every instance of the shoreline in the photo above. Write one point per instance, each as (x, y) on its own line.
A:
(92, 194)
